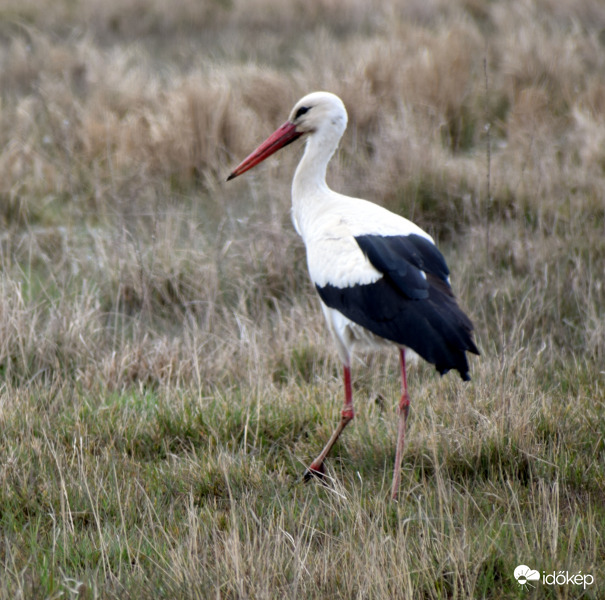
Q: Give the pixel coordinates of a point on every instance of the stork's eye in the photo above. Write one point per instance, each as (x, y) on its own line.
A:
(301, 111)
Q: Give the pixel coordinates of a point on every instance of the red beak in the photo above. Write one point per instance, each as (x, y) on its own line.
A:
(285, 135)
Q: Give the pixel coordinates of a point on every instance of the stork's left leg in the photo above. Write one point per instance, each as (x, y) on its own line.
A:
(404, 407)
(346, 416)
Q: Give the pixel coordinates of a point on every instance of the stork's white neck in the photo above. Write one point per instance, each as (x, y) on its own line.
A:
(309, 187)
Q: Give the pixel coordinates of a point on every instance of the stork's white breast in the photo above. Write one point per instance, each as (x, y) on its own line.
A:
(329, 233)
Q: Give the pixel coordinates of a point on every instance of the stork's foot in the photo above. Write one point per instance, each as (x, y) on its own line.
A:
(314, 470)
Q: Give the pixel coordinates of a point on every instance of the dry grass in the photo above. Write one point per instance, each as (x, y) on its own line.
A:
(165, 372)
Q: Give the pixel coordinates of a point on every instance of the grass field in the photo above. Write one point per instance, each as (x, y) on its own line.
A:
(166, 376)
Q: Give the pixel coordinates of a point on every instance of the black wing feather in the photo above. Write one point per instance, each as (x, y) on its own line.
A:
(404, 306)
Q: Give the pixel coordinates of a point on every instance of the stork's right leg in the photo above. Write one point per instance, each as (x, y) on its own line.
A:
(404, 408)
(346, 416)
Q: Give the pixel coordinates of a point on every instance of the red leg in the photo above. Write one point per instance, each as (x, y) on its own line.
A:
(404, 407)
(346, 416)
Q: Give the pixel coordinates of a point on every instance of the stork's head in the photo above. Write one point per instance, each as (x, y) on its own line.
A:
(318, 113)
(319, 110)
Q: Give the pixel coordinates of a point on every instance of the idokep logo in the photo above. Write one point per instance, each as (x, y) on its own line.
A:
(525, 576)
(567, 578)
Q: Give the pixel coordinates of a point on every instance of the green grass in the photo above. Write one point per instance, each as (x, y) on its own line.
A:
(169, 492)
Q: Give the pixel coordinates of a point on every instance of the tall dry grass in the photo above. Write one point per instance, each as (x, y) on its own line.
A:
(166, 375)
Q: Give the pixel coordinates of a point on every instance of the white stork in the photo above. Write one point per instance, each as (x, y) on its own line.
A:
(381, 279)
